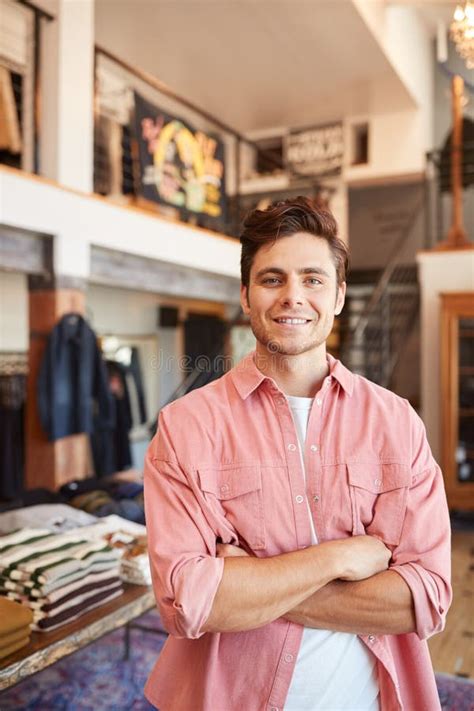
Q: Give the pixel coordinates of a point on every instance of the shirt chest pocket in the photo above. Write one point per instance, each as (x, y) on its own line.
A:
(236, 493)
(378, 493)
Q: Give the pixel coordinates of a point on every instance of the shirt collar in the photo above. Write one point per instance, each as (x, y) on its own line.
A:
(247, 377)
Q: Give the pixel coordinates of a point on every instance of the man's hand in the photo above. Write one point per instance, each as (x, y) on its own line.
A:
(363, 556)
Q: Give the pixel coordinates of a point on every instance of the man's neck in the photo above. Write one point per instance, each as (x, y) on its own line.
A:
(299, 375)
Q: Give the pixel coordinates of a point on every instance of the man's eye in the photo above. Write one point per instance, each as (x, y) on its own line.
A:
(271, 280)
(313, 280)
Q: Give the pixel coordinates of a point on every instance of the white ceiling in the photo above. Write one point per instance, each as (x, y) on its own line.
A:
(257, 63)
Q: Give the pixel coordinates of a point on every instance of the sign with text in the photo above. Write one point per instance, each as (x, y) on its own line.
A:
(316, 151)
(179, 166)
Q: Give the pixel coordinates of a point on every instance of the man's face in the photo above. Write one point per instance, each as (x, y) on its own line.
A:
(293, 296)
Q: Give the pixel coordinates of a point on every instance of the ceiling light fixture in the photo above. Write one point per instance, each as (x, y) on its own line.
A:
(462, 32)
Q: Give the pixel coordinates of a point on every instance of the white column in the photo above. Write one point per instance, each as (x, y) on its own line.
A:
(67, 95)
(71, 254)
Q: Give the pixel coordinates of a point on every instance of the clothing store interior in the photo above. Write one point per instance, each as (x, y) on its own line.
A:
(135, 135)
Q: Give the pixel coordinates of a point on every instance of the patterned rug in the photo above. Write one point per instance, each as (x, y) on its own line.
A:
(455, 694)
(97, 678)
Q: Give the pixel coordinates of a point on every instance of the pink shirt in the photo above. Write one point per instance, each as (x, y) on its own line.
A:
(225, 463)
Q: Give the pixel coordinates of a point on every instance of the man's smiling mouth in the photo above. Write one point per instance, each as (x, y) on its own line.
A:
(292, 321)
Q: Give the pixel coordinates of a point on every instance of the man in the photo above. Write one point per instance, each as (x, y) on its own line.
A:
(298, 528)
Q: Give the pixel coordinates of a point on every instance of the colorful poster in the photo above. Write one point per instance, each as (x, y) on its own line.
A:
(179, 166)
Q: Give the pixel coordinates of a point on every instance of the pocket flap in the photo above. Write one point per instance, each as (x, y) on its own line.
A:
(379, 477)
(230, 482)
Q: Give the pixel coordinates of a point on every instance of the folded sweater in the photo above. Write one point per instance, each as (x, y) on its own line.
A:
(55, 565)
(76, 598)
(13, 616)
(51, 623)
(26, 535)
(11, 637)
(79, 587)
(14, 646)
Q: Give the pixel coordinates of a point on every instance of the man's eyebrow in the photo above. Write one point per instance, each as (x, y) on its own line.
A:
(305, 270)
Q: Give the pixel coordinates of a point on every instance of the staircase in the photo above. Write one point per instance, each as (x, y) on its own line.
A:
(381, 311)
(373, 333)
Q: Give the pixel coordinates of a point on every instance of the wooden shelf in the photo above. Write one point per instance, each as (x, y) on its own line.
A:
(454, 308)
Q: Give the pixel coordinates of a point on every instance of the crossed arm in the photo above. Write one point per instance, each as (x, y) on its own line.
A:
(341, 585)
(382, 604)
(306, 587)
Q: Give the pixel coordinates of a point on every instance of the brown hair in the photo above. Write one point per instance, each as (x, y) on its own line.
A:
(284, 219)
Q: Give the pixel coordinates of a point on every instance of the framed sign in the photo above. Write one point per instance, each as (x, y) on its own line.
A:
(316, 151)
(178, 165)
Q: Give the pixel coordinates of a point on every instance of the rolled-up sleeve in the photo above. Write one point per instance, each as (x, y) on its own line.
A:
(423, 557)
(181, 541)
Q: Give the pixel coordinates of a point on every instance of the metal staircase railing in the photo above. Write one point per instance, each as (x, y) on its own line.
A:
(374, 344)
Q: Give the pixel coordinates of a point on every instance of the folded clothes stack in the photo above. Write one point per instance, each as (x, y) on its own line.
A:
(129, 539)
(58, 576)
(53, 518)
(15, 621)
(135, 565)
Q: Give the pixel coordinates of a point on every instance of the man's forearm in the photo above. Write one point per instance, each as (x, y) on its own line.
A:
(256, 591)
(382, 604)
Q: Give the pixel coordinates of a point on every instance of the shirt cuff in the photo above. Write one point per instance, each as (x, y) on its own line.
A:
(429, 613)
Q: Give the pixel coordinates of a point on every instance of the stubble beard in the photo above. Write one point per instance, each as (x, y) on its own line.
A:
(284, 346)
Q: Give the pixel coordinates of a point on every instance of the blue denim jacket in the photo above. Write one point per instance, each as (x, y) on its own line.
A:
(73, 390)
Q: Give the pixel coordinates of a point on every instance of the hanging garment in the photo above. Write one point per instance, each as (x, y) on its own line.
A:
(110, 441)
(73, 391)
(12, 399)
(102, 163)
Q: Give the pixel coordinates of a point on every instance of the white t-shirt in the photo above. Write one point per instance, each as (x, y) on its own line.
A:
(334, 671)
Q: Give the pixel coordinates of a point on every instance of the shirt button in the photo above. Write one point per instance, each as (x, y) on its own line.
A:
(288, 658)
(316, 498)
(377, 482)
(224, 488)
(292, 447)
(371, 638)
(299, 499)
(319, 402)
(314, 447)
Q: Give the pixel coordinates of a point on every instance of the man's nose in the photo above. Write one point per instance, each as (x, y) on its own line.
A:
(292, 294)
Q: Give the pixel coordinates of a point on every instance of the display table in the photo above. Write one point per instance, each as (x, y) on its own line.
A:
(46, 648)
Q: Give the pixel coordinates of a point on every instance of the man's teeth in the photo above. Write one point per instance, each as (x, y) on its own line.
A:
(292, 320)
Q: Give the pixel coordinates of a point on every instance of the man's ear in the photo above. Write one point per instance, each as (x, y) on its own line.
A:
(341, 297)
(244, 300)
